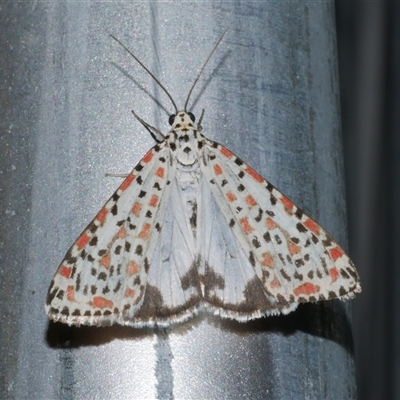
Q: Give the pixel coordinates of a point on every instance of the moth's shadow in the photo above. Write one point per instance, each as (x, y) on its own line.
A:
(60, 335)
(328, 320)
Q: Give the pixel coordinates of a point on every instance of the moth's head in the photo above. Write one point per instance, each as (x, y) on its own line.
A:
(182, 120)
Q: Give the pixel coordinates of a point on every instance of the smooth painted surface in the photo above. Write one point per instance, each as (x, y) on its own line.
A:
(270, 95)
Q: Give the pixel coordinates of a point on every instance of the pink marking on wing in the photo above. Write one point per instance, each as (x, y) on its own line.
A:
(105, 261)
(306, 288)
(129, 293)
(287, 203)
(133, 268)
(275, 283)
(270, 223)
(336, 253)
(101, 302)
(293, 248)
(217, 169)
(160, 172)
(101, 216)
(83, 240)
(250, 201)
(334, 273)
(154, 200)
(137, 207)
(121, 233)
(226, 152)
(70, 292)
(126, 183)
(65, 271)
(267, 260)
(148, 157)
(312, 226)
(144, 233)
(255, 175)
(246, 225)
(231, 197)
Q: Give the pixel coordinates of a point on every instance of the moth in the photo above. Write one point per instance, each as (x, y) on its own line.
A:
(192, 228)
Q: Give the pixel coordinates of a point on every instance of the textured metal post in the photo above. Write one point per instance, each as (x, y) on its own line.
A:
(270, 94)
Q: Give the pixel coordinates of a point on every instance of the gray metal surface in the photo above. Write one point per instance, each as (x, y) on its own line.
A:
(270, 95)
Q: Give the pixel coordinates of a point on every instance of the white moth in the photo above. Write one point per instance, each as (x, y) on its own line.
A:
(193, 227)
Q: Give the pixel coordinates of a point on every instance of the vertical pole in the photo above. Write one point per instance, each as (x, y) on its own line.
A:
(270, 95)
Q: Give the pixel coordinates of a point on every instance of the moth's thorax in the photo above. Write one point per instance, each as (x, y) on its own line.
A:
(184, 138)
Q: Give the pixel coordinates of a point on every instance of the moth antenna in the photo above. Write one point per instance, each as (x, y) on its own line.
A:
(149, 72)
(202, 68)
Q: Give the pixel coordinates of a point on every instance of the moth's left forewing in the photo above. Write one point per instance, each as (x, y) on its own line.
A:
(102, 279)
(293, 256)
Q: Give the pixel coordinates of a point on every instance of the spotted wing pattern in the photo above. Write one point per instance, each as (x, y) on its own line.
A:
(273, 253)
(103, 277)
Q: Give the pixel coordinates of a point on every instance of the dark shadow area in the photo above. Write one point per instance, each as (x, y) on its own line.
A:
(327, 320)
(59, 335)
(368, 35)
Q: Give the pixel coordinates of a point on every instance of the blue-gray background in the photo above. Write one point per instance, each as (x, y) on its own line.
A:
(271, 95)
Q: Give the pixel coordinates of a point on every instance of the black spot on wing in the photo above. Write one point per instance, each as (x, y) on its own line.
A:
(267, 237)
(259, 216)
(93, 241)
(139, 250)
(256, 243)
(78, 282)
(301, 228)
(252, 259)
(102, 276)
(118, 249)
(138, 167)
(298, 213)
(114, 210)
(51, 294)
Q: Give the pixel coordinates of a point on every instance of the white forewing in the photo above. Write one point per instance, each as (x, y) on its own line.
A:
(103, 276)
(294, 259)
